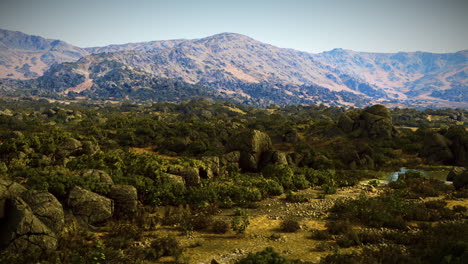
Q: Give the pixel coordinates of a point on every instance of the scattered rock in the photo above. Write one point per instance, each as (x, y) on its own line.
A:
(90, 207)
(175, 178)
(22, 232)
(125, 200)
(46, 208)
(190, 175)
(98, 176)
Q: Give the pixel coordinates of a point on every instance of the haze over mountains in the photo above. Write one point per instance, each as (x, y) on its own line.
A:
(235, 67)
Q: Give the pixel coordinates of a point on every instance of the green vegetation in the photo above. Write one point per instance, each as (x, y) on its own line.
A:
(192, 159)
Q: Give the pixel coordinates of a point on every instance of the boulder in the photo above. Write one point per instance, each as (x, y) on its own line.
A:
(90, 207)
(8, 189)
(252, 145)
(175, 178)
(71, 145)
(231, 157)
(213, 167)
(90, 148)
(461, 180)
(46, 208)
(22, 232)
(125, 200)
(455, 171)
(273, 157)
(190, 175)
(98, 176)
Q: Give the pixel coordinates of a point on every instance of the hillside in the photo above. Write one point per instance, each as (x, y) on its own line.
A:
(232, 64)
(25, 56)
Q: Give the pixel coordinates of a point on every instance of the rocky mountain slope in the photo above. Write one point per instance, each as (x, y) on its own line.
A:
(25, 56)
(233, 64)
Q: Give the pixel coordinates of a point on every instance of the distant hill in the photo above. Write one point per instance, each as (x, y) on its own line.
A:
(25, 56)
(236, 66)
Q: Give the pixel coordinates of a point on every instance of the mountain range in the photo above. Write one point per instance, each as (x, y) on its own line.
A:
(233, 67)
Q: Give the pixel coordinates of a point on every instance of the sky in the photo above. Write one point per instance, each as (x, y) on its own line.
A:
(307, 25)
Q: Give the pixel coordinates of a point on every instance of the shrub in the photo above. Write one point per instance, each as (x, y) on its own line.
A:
(339, 227)
(281, 174)
(122, 235)
(459, 209)
(240, 223)
(374, 183)
(220, 227)
(320, 234)
(290, 226)
(160, 247)
(387, 210)
(295, 198)
(201, 222)
(300, 182)
(266, 256)
(328, 189)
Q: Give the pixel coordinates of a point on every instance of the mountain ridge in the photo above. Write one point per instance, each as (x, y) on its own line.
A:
(234, 63)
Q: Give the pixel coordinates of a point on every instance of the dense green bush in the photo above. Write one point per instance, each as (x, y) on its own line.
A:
(266, 256)
(289, 226)
(292, 197)
(220, 227)
(166, 246)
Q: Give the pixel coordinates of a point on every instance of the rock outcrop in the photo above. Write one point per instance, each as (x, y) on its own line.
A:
(46, 208)
(22, 232)
(98, 176)
(90, 207)
(252, 145)
(191, 175)
(373, 122)
(125, 200)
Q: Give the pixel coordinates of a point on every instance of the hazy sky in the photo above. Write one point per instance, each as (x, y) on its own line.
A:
(308, 25)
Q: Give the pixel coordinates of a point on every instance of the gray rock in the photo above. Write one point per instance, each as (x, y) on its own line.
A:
(46, 208)
(213, 164)
(71, 144)
(125, 200)
(8, 189)
(175, 178)
(98, 176)
(90, 207)
(252, 145)
(22, 232)
(190, 175)
(231, 157)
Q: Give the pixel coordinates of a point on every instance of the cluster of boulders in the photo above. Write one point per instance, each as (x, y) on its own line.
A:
(251, 151)
(372, 122)
(32, 220)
